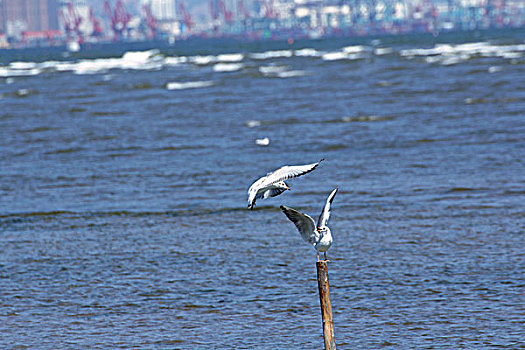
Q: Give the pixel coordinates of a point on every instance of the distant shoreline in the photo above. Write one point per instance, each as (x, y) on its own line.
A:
(203, 46)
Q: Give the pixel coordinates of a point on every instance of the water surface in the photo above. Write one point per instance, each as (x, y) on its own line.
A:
(123, 220)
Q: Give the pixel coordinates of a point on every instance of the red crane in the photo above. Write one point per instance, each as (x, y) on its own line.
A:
(71, 21)
(97, 27)
(119, 18)
(268, 8)
(151, 21)
(186, 17)
(241, 11)
(228, 15)
(213, 10)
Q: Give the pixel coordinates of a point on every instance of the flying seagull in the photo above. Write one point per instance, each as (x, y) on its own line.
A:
(273, 183)
(320, 237)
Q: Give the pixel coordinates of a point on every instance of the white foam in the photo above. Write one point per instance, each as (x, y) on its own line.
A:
(202, 60)
(22, 65)
(308, 53)
(22, 92)
(449, 61)
(511, 55)
(230, 57)
(227, 67)
(95, 66)
(334, 56)
(433, 59)
(291, 74)
(354, 49)
(6, 72)
(271, 54)
(175, 61)
(188, 85)
(383, 51)
(141, 57)
(483, 49)
(262, 142)
(48, 65)
(253, 123)
(495, 69)
(272, 70)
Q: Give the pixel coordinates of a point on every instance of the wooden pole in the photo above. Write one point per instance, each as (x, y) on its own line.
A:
(326, 305)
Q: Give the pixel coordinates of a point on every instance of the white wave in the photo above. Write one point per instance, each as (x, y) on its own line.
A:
(291, 74)
(433, 59)
(203, 60)
(253, 123)
(271, 54)
(23, 65)
(136, 60)
(65, 66)
(354, 49)
(271, 70)
(7, 72)
(511, 55)
(227, 67)
(48, 65)
(419, 52)
(495, 69)
(484, 49)
(383, 51)
(175, 61)
(23, 92)
(449, 61)
(230, 57)
(337, 56)
(262, 142)
(308, 53)
(141, 57)
(471, 48)
(95, 66)
(188, 85)
(334, 56)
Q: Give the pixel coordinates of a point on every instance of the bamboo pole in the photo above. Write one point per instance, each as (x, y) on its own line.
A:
(326, 305)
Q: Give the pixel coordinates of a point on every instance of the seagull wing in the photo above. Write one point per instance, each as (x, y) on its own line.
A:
(287, 172)
(281, 174)
(304, 223)
(252, 193)
(271, 193)
(325, 214)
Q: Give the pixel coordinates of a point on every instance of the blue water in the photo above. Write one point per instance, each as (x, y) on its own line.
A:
(123, 220)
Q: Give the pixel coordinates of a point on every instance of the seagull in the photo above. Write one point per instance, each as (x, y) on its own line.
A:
(321, 236)
(273, 183)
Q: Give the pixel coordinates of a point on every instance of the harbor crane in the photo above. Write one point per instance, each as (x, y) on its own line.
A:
(71, 22)
(119, 18)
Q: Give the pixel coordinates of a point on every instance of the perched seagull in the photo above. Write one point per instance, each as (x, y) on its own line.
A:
(321, 236)
(273, 183)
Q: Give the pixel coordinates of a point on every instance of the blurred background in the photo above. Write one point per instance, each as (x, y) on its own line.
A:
(53, 22)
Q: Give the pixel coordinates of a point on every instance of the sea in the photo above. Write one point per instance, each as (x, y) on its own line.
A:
(123, 193)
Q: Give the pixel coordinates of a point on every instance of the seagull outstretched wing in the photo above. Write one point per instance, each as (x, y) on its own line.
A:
(304, 223)
(325, 214)
(287, 172)
(284, 173)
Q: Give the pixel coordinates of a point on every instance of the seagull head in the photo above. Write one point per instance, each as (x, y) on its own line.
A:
(283, 185)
